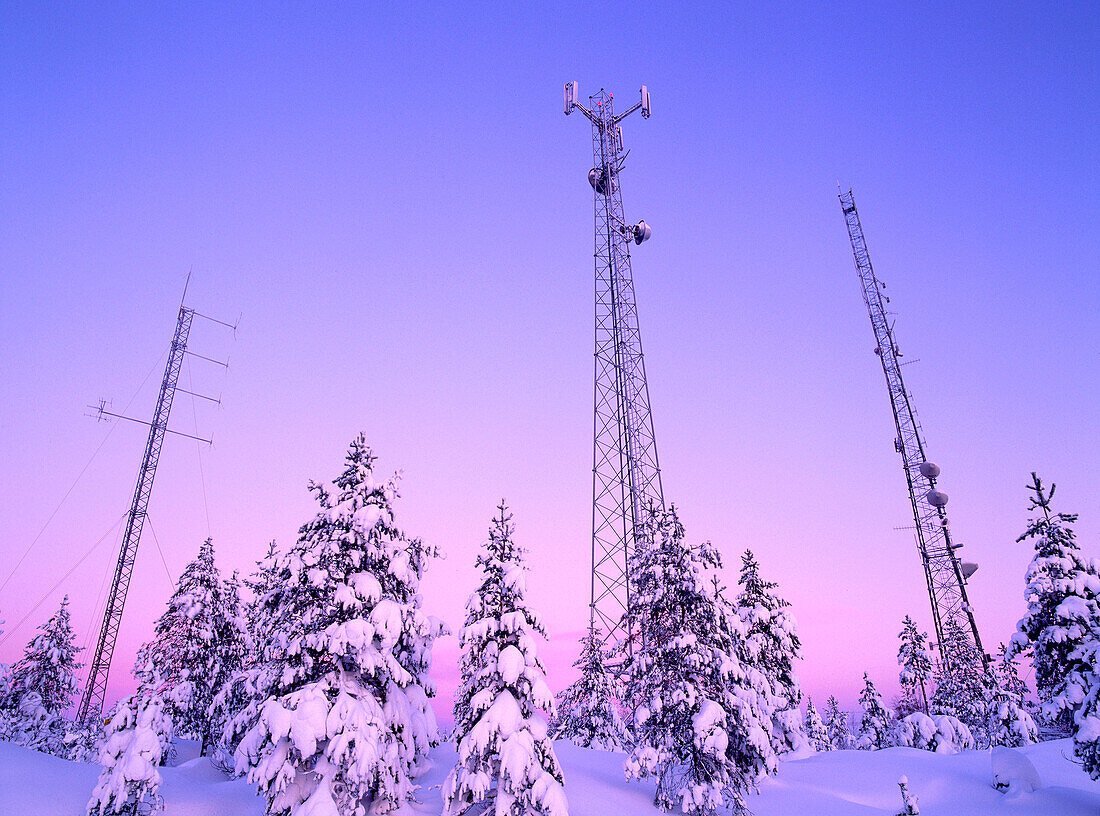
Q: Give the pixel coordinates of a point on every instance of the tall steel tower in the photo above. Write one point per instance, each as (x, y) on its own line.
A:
(945, 574)
(95, 689)
(626, 477)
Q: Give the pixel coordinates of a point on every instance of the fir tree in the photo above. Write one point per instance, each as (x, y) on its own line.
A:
(1061, 598)
(1008, 676)
(347, 719)
(238, 701)
(1010, 723)
(702, 714)
(773, 648)
(505, 758)
(136, 742)
(816, 731)
(232, 649)
(1086, 737)
(198, 642)
(964, 689)
(836, 725)
(876, 723)
(588, 711)
(916, 667)
(48, 666)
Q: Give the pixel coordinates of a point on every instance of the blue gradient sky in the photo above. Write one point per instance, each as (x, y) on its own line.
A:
(395, 202)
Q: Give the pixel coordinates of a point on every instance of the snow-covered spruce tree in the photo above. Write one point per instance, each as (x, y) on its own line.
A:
(773, 648)
(876, 724)
(816, 732)
(347, 720)
(1008, 676)
(1086, 737)
(1010, 723)
(588, 713)
(232, 650)
(1061, 598)
(198, 641)
(506, 760)
(702, 721)
(836, 725)
(915, 666)
(964, 689)
(135, 743)
(48, 666)
(238, 701)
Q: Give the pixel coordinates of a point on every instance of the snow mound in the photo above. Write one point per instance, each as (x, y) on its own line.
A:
(1013, 772)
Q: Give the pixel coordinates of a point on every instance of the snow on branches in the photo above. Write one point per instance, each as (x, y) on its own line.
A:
(702, 709)
(346, 721)
(136, 740)
(506, 760)
(48, 666)
(1062, 613)
(876, 724)
(773, 646)
(199, 641)
(916, 667)
(836, 726)
(588, 710)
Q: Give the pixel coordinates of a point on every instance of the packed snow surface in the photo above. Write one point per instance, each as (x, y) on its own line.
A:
(836, 783)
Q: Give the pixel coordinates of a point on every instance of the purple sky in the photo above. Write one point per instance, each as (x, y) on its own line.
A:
(395, 202)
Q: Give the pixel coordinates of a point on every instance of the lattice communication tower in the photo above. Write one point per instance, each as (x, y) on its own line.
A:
(945, 573)
(95, 689)
(626, 476)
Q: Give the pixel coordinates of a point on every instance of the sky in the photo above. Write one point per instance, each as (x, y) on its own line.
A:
(391, 202)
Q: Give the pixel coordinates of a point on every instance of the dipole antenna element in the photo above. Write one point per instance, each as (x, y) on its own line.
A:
(95, 689)
(626, 476)
(944, 572)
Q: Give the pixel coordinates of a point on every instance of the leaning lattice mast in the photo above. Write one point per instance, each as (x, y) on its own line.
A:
(945, 574)
(91, 704)
(626, 477)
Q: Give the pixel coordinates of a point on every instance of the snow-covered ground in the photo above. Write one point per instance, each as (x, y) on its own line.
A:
(838, 783)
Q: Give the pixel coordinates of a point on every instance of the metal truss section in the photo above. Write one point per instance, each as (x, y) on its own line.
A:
(944, 573)
(626, 475)
(91, 704)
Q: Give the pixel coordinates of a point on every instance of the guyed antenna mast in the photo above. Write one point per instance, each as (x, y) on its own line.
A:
(95, 689)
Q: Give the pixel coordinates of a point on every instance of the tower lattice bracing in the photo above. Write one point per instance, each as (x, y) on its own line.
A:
(91, 704)
(945, 574)
(626, 477)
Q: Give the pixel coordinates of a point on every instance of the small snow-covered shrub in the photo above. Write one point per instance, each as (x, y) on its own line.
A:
(940, 733)
(32, 726)
(589, 715)
(136, 739)
(836, 726)
(816, 731)
(876, 722)
(908, 800)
